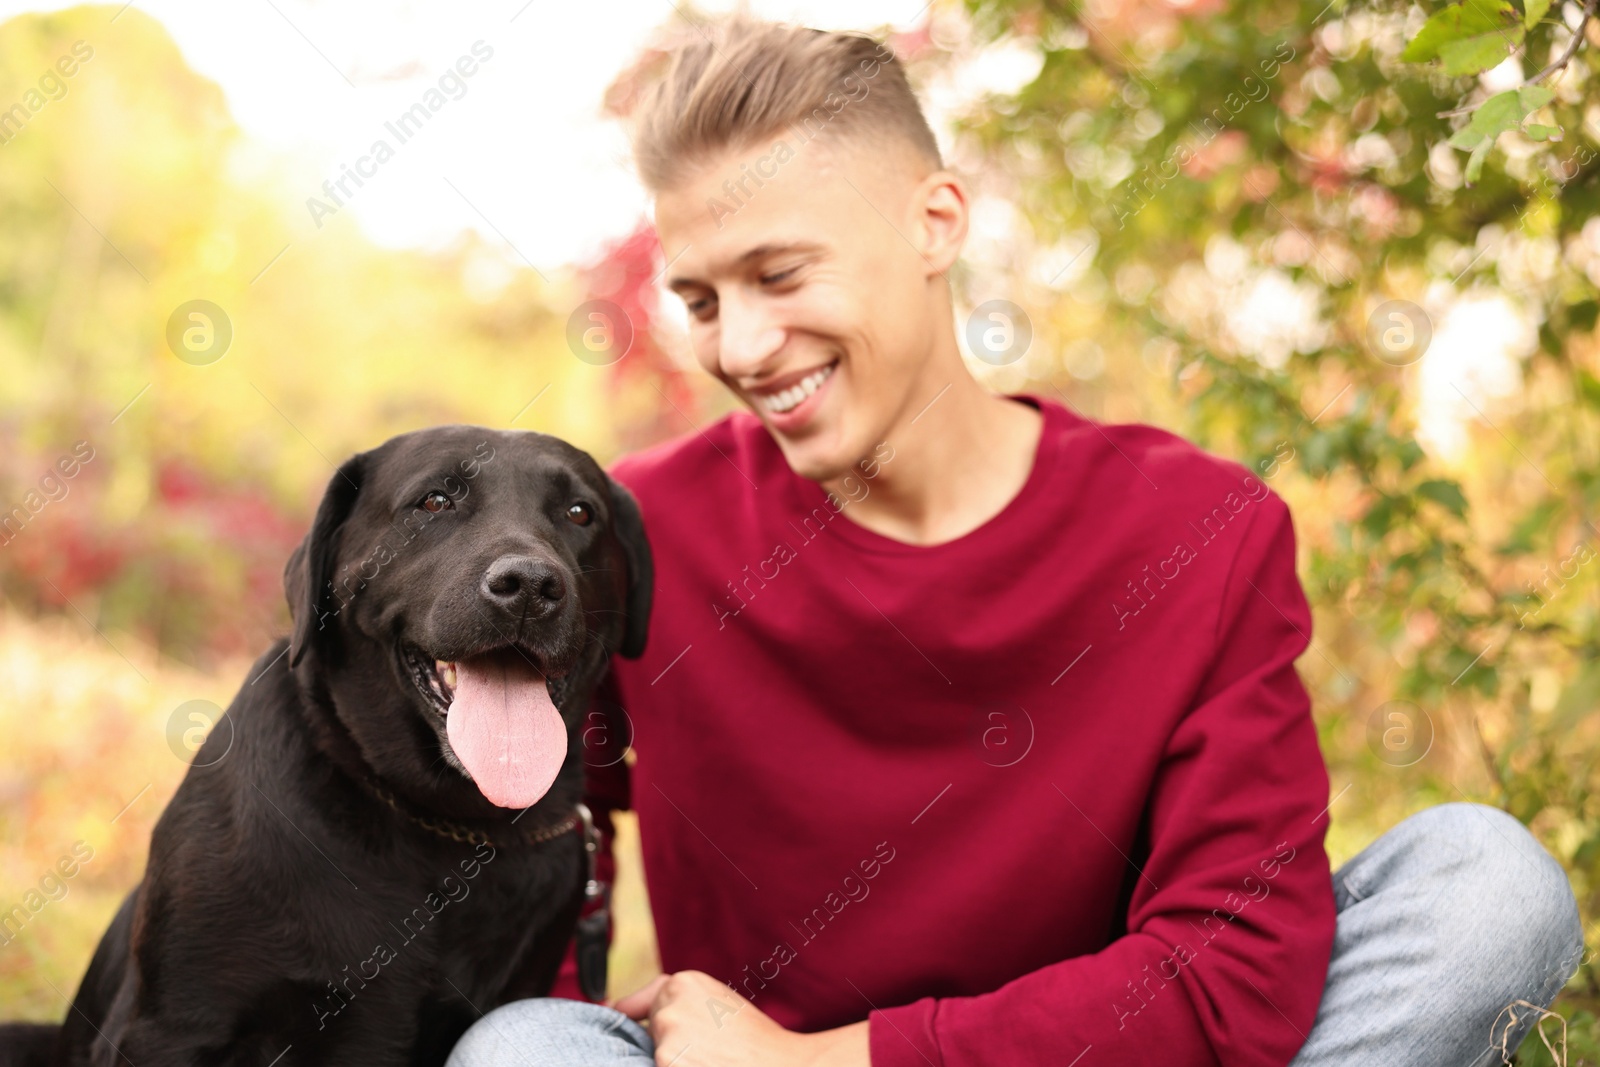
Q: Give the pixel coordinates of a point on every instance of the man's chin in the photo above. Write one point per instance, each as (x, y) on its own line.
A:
(817, 459)
(818, 451)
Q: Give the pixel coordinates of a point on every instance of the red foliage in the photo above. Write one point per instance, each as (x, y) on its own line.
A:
(63, 557)
(178, 483)
(198, 571)
(625, 273)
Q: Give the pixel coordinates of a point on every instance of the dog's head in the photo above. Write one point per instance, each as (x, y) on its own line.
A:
(458, 596)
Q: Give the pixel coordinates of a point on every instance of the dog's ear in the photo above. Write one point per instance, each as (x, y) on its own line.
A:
(308, 576)
(628, 524)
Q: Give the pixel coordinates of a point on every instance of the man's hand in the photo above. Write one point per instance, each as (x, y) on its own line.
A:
(697, 1021)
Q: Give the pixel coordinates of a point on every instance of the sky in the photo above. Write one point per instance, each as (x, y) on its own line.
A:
(520, 152)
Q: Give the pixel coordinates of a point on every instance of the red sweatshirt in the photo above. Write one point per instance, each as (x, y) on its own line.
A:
(1047, 791)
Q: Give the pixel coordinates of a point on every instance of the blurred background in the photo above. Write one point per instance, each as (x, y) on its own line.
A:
(1329, 240)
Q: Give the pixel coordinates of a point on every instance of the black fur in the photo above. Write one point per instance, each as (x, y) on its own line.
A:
(285, 906)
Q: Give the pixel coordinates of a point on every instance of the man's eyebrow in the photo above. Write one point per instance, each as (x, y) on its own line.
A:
(759, 252)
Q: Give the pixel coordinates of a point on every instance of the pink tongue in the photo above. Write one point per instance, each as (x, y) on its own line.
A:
(505, 729)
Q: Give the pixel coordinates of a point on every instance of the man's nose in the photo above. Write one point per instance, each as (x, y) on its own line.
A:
(524, 585)
(747, 338)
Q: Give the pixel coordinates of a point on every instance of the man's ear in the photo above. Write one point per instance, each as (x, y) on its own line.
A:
(628, 524)
(308, 576)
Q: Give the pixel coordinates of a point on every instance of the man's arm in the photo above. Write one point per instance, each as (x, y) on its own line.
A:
(1231, 919)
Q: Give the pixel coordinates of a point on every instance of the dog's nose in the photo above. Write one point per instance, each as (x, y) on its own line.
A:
(523, 584)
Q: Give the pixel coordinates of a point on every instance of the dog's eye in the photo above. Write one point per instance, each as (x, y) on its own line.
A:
(580, 514)
(436, 502)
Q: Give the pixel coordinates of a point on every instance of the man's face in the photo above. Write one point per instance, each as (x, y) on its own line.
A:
(805, 292)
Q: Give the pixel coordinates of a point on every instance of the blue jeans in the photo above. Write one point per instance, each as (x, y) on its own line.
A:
(1445, 923)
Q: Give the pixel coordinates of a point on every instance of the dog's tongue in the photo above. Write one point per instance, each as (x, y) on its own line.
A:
(506, 729)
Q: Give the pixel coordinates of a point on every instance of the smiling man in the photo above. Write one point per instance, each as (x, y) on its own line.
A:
(969, 731)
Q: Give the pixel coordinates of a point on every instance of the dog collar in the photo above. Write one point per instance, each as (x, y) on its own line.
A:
(465, 834)
(593, 933)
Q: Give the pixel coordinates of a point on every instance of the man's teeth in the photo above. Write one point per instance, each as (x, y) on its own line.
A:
(790, 398)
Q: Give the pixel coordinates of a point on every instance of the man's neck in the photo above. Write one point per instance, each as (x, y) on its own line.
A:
(959, 458)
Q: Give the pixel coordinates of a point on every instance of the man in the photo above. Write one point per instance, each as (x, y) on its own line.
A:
(969, 731)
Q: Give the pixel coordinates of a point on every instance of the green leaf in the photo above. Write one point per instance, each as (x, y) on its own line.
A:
(1474, 55)
(1468, 38)
(1454, 22)
(1379, 517)
(1535, 132)
(1533, 97)
(1501, 112)
(1475, 161)
(1533, 11)
(1445, 493)
(1578, 698)
(1524, 534)
(1589, 386)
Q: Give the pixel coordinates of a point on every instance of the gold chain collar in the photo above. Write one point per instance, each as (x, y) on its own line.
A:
(467, 835)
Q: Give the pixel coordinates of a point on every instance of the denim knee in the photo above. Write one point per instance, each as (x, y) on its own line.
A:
(1509, 908)
(1446, 923)
(551, 1031)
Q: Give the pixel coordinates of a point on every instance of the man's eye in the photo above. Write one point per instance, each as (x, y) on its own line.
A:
(779, 277)
(702, 308)
(436, 501)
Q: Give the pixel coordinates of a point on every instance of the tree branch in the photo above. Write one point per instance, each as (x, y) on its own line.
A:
(1559, 64)
(1572, 47)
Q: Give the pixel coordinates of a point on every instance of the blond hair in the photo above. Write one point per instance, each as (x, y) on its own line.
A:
(743, 81)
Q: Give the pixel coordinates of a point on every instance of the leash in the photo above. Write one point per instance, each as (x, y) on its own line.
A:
(593, 934)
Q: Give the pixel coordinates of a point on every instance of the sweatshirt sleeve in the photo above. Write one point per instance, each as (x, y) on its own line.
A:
(1231, 920)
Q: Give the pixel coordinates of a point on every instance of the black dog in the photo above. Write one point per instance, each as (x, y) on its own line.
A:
(378, 842)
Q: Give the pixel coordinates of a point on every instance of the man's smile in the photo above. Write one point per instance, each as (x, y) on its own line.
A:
(785, 394)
